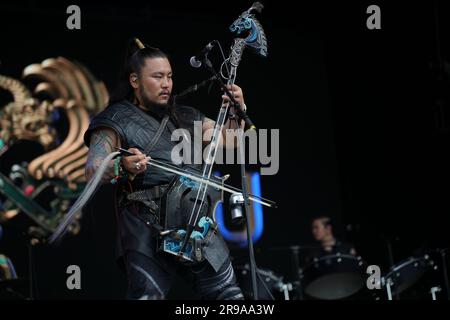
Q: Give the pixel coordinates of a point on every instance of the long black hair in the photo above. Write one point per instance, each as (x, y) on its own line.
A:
(135, 58)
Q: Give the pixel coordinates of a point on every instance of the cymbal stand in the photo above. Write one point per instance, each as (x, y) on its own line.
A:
(433, 291)
(285, 288)
(295, 251)
(388, 283)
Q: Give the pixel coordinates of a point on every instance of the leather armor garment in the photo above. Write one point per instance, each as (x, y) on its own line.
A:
(136, 129)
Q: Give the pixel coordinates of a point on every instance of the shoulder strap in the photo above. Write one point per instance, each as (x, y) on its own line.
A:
(157, 135)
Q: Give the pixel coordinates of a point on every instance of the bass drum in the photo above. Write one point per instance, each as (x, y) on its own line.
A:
(333, 277)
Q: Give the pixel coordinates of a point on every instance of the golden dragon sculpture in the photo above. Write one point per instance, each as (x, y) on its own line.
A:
(55, 114)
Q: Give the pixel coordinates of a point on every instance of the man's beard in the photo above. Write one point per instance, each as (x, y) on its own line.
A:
(159, 108)
(149, 104)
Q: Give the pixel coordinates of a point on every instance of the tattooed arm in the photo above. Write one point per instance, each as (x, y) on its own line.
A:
(102, 143)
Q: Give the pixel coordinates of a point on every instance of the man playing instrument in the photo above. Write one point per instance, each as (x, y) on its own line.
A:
(140, 110)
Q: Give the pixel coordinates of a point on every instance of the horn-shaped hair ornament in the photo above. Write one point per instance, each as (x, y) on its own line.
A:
(139, 43)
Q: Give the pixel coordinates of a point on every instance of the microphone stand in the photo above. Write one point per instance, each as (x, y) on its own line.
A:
(207, 63)
(192, 89)
(247, 210)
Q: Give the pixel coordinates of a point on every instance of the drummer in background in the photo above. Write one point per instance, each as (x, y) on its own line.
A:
(322, 230)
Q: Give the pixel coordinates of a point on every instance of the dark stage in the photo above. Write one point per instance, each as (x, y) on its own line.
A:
(363, 119)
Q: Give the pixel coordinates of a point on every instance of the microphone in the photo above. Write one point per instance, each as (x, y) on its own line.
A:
(196, 61)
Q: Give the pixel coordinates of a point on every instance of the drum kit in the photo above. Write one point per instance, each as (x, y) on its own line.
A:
(345, 277)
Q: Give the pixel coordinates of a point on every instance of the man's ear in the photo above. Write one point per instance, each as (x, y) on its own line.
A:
(133, 80)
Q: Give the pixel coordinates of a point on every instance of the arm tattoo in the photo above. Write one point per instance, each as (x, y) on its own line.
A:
(102, 144)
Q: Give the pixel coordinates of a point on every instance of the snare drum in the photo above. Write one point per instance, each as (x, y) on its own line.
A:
(333, 277)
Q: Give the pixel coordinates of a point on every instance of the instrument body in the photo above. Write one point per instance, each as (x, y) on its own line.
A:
(176, 205)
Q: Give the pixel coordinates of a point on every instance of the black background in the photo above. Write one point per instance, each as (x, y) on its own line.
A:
(361, 113)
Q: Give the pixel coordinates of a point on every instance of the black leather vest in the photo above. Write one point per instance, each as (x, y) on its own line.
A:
(136, 129)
